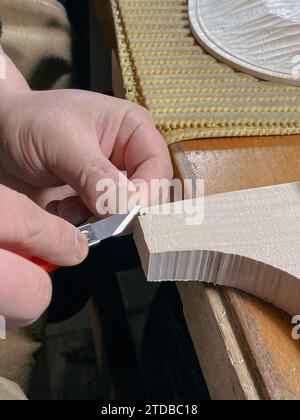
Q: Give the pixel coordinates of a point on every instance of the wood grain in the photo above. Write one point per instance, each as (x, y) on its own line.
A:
(234, 164)
(262, 332)
(225, 364)
(248, 240)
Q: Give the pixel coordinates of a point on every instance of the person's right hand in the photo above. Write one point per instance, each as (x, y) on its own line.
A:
(26, 229)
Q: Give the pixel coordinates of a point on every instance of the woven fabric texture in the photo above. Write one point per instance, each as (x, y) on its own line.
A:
(190, 94)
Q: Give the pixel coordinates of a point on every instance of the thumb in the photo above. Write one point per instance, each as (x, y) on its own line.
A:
(28, 230)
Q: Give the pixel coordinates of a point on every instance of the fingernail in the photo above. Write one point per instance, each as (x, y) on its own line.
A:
(71, 214)
(82, 246)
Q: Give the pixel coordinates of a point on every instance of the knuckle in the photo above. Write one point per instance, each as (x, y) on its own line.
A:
(139, 114)
(94, 171)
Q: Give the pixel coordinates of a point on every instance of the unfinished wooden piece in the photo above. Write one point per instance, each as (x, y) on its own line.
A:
(260, 37)
(249, 240)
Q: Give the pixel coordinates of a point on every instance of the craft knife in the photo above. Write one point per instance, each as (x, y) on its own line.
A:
(112, 226)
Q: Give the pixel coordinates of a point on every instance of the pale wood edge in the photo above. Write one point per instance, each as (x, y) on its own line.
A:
(222, 359)
(223, 329)
(271, 379)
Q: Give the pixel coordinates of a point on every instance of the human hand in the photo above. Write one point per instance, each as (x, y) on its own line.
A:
(26, 229)
(74, 139)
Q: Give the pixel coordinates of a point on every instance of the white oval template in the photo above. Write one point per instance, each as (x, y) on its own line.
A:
(259, 37)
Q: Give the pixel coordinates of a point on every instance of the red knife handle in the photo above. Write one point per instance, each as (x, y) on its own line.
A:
(49, 268)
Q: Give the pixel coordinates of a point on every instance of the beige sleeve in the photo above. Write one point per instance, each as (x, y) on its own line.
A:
(9, 391)
(37, 37)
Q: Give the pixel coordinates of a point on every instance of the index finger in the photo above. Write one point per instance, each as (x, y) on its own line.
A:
(147, 156)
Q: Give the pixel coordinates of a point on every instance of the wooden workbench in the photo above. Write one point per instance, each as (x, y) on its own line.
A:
(245, 346)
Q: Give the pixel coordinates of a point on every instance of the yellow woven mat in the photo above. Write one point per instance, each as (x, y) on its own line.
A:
(189, 93)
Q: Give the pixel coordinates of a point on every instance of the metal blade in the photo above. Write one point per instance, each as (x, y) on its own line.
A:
(111, 226)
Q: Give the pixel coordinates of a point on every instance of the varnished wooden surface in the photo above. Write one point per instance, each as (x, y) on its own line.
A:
(235, 164)
(264, 334)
